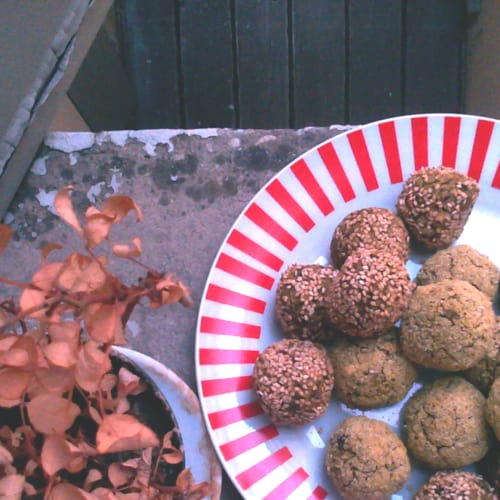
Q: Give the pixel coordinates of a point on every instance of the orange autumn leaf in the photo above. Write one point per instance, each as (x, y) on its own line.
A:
(64, 208)
(126, 251)
(68, 331)
(52, 414)
(13, 383)
(34, 300)
(57, 454)
(119, 474)
(54, 379)
(81, 273)
(123, 433)
(5, 236)
(65, 491)
(129, 383)
(47, 249)
(97, 228)
(91, 366)
(93, 476)
(11, 487)
(103, 321)
(24, 353)
(119, 206)
(60, 354)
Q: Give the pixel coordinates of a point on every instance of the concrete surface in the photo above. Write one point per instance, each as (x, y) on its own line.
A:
(191, 186)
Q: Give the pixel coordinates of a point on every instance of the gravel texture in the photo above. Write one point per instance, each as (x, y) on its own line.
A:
(493, 408)
(461, 262)
(301, 305)
(366, 460)
(435, 204)
(454, 486)
(377, 228)
(445, 425)
(294, 381)
(448, 326)
(371, 373)
(370, 293)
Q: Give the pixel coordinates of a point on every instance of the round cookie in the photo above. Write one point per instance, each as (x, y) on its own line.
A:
(448, 326)
(493, 408)
(371, 373)
(370, 293)
(445, 425)
(435, 204)
(377, 228)
(366, 460)
(301, 305)
(461, 262)
(294, 380)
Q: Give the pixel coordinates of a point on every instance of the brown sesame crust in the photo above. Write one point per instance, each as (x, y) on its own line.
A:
(456, 485)
(366, 460)
(371, 373)
(435, 204)
(370, 228)
(294, 381)
(448, 326)
(370, 293)
(301, 305)
(461, 262)
(493, 408)
(445, 425)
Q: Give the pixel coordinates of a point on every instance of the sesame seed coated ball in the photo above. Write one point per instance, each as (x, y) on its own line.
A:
(370, 293)
(294, 380)
(454, 485)
(370, 228)
(435, 204)
(301, 305)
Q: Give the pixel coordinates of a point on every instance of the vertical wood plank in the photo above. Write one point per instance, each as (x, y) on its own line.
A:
(150, 49)
(207, 63)
(375, 59)
(262, 63)
(435, 31)
(318, 62)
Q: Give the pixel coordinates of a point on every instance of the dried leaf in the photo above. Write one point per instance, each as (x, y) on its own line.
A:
(54, 379)
(95, 415)
(5, 456)
(119, 206)
(57, 454)
(30, 467)
(46, 277)
(185, 480)
(81, 273)
(64, 491)
(91, 366)
(126, 251)
(108, 382)
(7, 341)
(9, 403)
(32, 298)
(120, 475)
(52, 414)
(93, 476)
(14, 357)
(129, 383)
(102, 493)
(97, 228)
(5, 236)
(29, 489)
(122, 405)
(11, 487)
(13, 383)
(69, 332)
(24, 353)
(64, 208)
(47, 249)
(103, 321)
(60, 354)
(174, 457)
(123, 433)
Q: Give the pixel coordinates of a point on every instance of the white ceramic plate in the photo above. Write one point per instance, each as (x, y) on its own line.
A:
(290, 220)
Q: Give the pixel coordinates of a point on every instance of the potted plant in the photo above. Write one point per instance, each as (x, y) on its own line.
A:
(73, 416)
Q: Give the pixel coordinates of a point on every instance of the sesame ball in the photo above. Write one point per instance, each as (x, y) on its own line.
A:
(294, 380)
(448, 326)
(301, 305)
(371, 373)
(493, 408)
(435, 204)
(370, 293)
(365, 459)
(445, 425)
(461, 262)
(454, 485)
(377, 228)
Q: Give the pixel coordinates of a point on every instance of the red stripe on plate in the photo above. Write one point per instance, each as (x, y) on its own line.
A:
(226, 356)
(288, 485)
(250, 476)
(480, 148)
(450, 140)
(288, 202)
(225, 327)
(336, 171)
(304, 175)
(318, 494)
(224, 296)
(243, 271)
(496, 179)
(238, 446)
(246, 245)
(217, 386)
(391, 151)
(270, 226)
(420, 142)
(222, 418)
(362, 156)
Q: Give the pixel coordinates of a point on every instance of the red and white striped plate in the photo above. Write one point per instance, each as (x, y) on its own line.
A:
(291, 220)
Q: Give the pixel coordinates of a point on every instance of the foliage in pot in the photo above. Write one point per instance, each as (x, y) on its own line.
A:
(67, 427)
